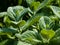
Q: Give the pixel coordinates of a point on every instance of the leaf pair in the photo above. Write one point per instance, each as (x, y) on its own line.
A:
(47, 35)
(16, 13)
(29, 36)
(45, 22)
(10, 22)
(56, 10)
(36, 6)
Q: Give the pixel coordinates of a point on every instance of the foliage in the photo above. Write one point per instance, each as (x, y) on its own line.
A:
(37, 23)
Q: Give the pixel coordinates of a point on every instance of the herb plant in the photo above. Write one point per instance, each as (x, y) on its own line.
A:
(36, 24)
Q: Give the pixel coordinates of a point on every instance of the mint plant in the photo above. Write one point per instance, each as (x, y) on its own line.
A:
(36, 24)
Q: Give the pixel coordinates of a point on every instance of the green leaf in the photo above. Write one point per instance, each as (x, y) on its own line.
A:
(58, 1)
(22, 43)
(17, 12)
(43, 4)
(10, 22)
(8, 30)
(56, 10)
(2, 14)
(13, 12)
(29, 1)
(44, 22)
(10, 12)
(23, 13)
(7, 20)
(57, 33)
(34, 6)
(1, 25)
(20, 23)
(29, 36)
(56, 40)
(3, 42)
(47, 35)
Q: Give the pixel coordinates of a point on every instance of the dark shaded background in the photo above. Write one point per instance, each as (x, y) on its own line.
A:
(4, 4)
